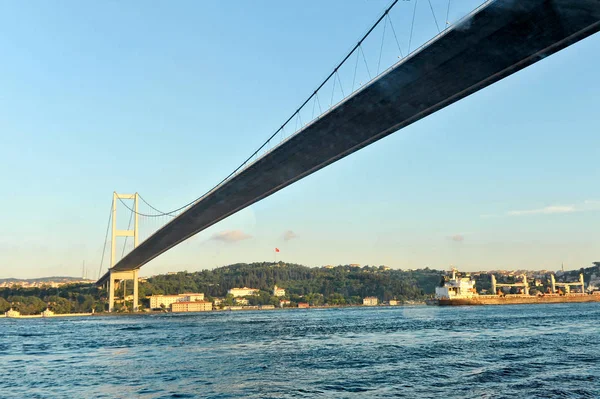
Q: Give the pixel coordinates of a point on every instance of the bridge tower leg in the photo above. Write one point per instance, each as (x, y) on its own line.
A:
(135, 290)
(116, 276)
(111, 292)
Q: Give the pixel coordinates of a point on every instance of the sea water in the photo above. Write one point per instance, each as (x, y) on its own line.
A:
(520, 351)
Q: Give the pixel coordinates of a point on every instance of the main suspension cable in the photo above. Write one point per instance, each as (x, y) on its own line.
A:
(313, 94)
(146, 202)
(105, 241)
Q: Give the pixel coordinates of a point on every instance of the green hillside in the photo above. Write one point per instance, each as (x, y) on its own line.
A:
(347, 281)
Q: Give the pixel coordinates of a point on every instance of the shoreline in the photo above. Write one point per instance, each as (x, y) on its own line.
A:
(154, 313)
(41, 316)
(151, 313)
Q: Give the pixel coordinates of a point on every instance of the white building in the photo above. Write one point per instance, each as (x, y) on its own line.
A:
(241, 301)
(237, 292)
(284, 302)
(278, 291)
(370, 301)
(194, 306)
(157, 300)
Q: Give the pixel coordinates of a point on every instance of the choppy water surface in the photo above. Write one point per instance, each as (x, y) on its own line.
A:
(539, 351)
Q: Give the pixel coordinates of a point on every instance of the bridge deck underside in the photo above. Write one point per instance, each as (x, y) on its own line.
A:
(498, 40)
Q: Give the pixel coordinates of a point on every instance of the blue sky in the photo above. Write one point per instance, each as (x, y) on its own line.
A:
(167, 99)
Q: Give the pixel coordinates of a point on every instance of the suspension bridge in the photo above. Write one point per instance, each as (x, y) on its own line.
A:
(491, 42)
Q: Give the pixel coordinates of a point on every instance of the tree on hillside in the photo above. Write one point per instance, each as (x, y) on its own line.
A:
(27, 305)
(4, 305)
(59, 305)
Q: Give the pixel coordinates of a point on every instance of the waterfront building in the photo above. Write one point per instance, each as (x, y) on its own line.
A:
(218, 301)
(191, 306)
(12, 313)
(393, 302)
(370, 301)
(278, 291)
(47, 313)
(241, 301)
(266, 307)
(157, 300)
(237, 292)
(284, 302)
(303, 305)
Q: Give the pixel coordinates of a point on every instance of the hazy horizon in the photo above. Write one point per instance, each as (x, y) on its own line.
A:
(175, 270)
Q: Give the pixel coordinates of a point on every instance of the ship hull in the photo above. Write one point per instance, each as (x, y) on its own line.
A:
(514, 300)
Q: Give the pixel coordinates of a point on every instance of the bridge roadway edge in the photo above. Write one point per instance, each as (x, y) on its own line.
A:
(496, 42)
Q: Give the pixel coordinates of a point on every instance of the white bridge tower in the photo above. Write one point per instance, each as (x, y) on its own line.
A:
(116, 277)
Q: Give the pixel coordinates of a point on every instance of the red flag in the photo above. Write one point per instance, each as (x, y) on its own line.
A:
(276, 249)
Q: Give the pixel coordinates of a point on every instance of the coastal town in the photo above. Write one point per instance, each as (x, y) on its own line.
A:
(270, 286)
(49, 282)
(236, 299)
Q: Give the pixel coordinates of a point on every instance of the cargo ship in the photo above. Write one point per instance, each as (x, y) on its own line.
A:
(461, 292)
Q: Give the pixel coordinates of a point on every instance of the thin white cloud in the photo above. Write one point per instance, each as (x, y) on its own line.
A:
(587, 205)
(230, 236)
(548, 210)
(289, 235)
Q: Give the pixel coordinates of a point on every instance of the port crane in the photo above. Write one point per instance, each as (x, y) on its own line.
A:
(567, 286)
(523, 284)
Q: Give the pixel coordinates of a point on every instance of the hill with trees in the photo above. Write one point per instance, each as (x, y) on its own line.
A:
(70, 298)
(330, 285)
(344, 284)
(339, 285)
